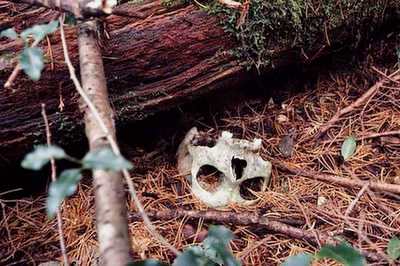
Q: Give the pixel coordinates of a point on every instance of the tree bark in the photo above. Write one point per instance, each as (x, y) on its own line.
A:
(111, 214)
(151, 64)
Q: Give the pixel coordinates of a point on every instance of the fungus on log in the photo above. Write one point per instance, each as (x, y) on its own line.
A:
(158, 56)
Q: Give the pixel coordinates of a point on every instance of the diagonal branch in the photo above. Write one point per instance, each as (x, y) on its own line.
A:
(367, 95)
(250, 218)
(98, 111)
(112, 226)
(334, 179)
(53, 179)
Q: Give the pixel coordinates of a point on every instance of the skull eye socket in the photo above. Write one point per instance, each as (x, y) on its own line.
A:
(209, 178)
(238, 166)
(249, 186)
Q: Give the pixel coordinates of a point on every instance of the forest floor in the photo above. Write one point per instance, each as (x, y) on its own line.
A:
(367, 219)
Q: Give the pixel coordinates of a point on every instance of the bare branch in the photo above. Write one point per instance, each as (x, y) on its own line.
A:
(367, 95)
(53, 178)
(113, 144)
(251, 218)
(346, 182)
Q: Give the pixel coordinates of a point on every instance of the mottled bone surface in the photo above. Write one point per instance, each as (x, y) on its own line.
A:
(222, 156)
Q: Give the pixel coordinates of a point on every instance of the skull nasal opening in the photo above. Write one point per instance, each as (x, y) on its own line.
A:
(238, 166)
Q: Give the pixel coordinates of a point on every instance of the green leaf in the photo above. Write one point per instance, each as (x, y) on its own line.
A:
(149, 262)
(31, 60)
(40, 31)
(105, 159)
(63, 187)
(302, 259)
(216, 246)
(348, 148)
(41, 155)
(393, 248)
(9, 33)
(193, 256)
(343, 253)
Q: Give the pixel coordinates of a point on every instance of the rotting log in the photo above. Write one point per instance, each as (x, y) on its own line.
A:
(170, 57)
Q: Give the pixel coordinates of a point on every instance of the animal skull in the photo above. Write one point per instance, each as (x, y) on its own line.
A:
(236, 159)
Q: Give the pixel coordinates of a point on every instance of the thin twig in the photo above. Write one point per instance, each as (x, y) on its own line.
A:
(346, 182)
(10, 191)
(53, 179)
(308, 222)
(381, 134)
(369, 93)
(113, 144)
(356, 199)
(372, 195)
(384, 75)
(17, 69)
(6, 226)
(366, 239)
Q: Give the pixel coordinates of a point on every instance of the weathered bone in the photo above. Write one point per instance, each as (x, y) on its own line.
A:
(192, 157)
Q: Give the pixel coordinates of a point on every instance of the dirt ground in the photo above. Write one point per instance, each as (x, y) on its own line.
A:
(299, 107)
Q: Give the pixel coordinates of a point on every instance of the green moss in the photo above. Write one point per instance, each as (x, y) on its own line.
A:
(135, 2)
(272, 25)
(174, 3)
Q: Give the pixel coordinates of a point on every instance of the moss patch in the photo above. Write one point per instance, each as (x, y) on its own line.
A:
(174, 3)
(272, 25)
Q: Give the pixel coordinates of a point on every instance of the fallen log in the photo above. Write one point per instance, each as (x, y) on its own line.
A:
(155, 57)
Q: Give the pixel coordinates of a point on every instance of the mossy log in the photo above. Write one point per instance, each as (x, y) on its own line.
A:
(155, 58)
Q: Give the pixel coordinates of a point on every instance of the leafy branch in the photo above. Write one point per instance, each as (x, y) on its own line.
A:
(343, 253)
(30, 59)
(66, 183)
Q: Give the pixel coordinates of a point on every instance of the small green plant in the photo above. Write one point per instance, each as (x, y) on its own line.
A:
(393, 249)
(31, 58)
(343, 253)
(212, 252)
(66, 184)
(301, 259)
(349, 147)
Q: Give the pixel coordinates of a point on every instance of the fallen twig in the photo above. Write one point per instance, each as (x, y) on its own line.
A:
(356, 199)
(381, 134)
(249, 218)
(350, 183)
(367, 95)
(53, 179)
(364, 237)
